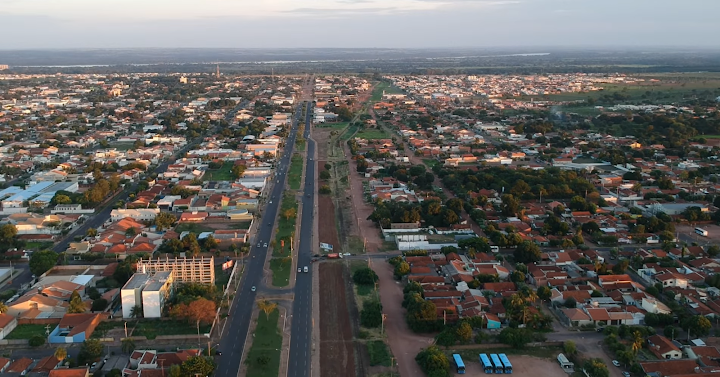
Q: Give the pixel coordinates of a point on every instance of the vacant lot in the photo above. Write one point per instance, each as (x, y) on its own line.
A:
(263, 359)
(26, 332)
(336, 126)
(211, 227)
(522, 366)
(281, 271)
(295, 172)
(152, 328)
(286, 226)
(383, 86)
(337, 357)
(222, 174)
(372, 134)
(349, 133)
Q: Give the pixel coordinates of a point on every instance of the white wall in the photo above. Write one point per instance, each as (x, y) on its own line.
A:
(130, 298)
(152, 304)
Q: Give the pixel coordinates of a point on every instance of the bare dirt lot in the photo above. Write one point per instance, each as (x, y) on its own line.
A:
(687, 234)
(321, 136)
(522, 366)
(327, 223)
(337, 356)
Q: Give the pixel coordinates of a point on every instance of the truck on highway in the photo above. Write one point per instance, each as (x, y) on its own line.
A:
(334, 256)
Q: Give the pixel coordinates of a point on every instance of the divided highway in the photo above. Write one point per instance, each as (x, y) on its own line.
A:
(236, 330)
(300, 337)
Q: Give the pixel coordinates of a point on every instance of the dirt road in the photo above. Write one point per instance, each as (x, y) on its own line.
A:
(337, 356)
(405, 344)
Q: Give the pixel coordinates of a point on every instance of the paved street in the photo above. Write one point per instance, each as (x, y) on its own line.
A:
(233, 339)
(299, 362)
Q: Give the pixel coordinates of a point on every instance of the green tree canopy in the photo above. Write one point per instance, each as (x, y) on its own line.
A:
(41, 261)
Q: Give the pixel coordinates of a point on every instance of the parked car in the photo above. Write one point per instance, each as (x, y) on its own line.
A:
(616, 363)
(299, 269)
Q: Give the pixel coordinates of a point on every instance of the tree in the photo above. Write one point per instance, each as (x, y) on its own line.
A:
(570, 303)
(267, 307)
(99, 305)
(433, 359)
(118, 373)
(238, 171)
(527, 252)
(91, 232)
(365, 276)
(76, 303)
(3, 307)
(60, 353)
(697, 325)
(128, 345)
(201, 310)
(164, 220)
(175, 371)
(569, 347)
(464, 332)
(620, 267)
(197, 365)
(517, 277)
(510, 205)
(544, 293)
(713, 251)
(136, 312)
(517, 338)
(210, 242)
(596, 368)
(324, 189)
(36, 341)
(402, 269)
(91, 349)
(371, 314)
(41, 261)
(7, 234)
(289, 213)
(324, 174)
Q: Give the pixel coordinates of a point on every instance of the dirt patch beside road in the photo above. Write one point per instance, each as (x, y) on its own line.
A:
(321, 136)
(326, 217)
(522, 366)
(337, 355)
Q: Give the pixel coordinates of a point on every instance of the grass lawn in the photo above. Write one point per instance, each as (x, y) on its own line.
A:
(383, 86)
(281, 271)
(295, 172)
(152, 328)
(103, 327)
(38, 245)
(430, 162)
(335, 126)
(193, 228)
(349, 133)
(240, 225)
(221, 277)
(364, 289)
(372, 134)
(28, 331)
(263, 359)
(285, 227)
(379, 353)
(122, 146)
(222, 174)
(300, 145)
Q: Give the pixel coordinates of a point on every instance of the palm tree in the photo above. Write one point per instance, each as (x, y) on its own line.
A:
(128, 345)
(136, 312)
(267, 306)
(637, 342)
(60, 353)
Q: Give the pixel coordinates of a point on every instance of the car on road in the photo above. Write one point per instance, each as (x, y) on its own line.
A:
(218, 353)
(271, 202)
(265, 244)
(269, 224)
(308, 195)
(299, 269)
(600, 329)
(626, 374)
(616, 363)
(253, 288)
(305, 268)
(258, 244)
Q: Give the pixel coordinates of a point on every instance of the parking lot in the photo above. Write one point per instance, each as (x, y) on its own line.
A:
(522, 366)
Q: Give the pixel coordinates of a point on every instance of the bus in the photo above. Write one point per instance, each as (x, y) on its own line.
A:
(506, 363)
(459, 363)
(497, 363)
(486, 364)
(701, 232)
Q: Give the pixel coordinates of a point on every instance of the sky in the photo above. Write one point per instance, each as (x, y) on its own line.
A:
(39, 24)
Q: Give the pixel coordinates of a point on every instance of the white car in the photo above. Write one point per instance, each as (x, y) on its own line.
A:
(616, 363)
(265, 245)
(305, 268)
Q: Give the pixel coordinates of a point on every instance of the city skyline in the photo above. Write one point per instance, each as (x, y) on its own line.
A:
(43, 24)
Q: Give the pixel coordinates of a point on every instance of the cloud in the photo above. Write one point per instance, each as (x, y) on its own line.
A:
(342, 11)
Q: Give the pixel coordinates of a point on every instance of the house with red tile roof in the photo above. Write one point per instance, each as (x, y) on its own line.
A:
(20, 365)
(71, 372)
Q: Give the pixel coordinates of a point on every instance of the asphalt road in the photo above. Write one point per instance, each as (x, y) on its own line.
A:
(300, 337)
(233, 339)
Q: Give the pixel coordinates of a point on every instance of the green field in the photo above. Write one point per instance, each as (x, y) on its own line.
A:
(430, 162)
(379, 353)
(281, 268)
(372, 134)
(335, 126)
(240, 225)
(222, 174)
(38, 245)
(27, 331)
(193, 228)
(263, 359)
(122, 146)
(349, 133)
(285, 227)
(300, 145)
(295, 172)
(152, 328)
(383, 86)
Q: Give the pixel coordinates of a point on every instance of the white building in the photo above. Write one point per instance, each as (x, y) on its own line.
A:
(149, 292)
